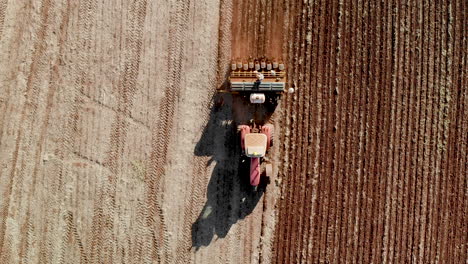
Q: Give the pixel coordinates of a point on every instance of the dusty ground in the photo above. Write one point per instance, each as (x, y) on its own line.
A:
(111, 151)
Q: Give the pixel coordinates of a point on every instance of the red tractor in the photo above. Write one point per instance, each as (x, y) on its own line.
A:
(255, 142)
(260, 81)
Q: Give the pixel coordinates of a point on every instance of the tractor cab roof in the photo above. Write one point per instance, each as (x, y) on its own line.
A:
(255, 144)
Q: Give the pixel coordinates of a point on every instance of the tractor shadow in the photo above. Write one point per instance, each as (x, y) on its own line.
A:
(229, 194)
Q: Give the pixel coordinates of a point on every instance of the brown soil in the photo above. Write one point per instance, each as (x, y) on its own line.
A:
(375, 139)
(257, 29)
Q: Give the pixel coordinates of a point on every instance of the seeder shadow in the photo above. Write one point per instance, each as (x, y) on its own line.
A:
(229, 194)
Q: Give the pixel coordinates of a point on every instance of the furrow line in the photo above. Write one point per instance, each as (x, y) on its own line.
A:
(103, 244)
(457, 244)
(292, 148)
(392, 131)
(285, 137)
(3, 7)
(299, 125)
(361, 124)
(28, 113)
(13, 58)
(25, 243)
(448, 95)
(305, 88)
(385, 141)
(435, 125)
(70, 125)
(420, 201)
(160, 141)
(340, 101)
(332, 126)
(375, 126)
(199, 164)
(411, 107)
(45, 123)
(314, 241)
(432, 189)
(351, 117)
(398, 135)
(346, 93)
(284, 152)
(444, 103)
(309, 185)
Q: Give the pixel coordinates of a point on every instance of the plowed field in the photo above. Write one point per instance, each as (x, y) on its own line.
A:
(112, 149)
(375, 158)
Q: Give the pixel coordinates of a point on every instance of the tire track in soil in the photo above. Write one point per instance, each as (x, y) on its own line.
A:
(29, 225)
(402, 82)
(3, 7)
(27, 114)
(80, 73)
(71, 236)
(103, 241)
(160, 142)
(221, 70)
(22, 16)
(196, 191)
(29, 240)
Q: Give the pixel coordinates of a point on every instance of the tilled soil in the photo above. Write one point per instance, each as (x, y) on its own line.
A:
(112, 149)
(374, 153)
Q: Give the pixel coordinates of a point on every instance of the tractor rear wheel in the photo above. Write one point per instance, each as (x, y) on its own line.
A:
(272, 137)
(243, 130)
